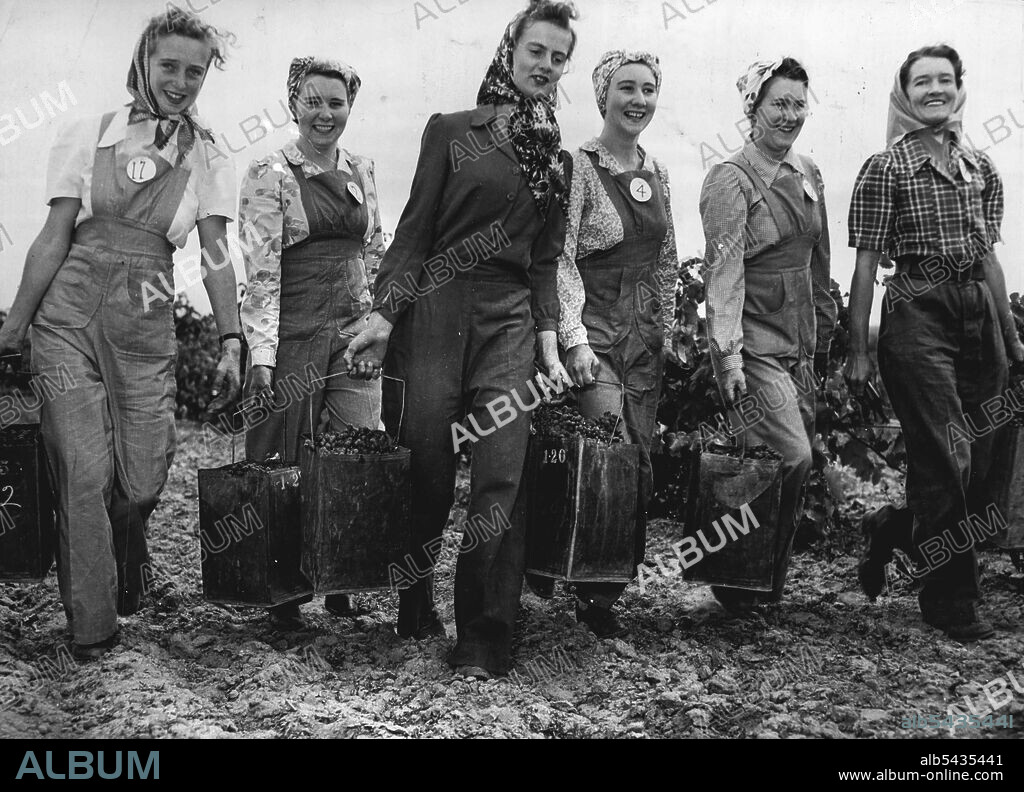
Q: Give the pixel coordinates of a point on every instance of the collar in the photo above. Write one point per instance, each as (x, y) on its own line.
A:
(118, 129)
(767, 168)
(607, 160)
(295, 157)
(917, 153)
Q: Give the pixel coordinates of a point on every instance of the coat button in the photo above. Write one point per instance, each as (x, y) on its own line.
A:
(510, 197)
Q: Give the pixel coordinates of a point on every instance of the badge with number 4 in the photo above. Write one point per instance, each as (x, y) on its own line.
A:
(641, 190)
(356, 192)
(141, 170)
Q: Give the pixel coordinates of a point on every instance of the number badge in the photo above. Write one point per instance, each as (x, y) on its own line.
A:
(641, 190)
(356, 192)
(141, 170)
(809, 189)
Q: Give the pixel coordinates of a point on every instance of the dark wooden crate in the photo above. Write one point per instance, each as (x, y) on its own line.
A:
(721, 486)
(356, 513)
(28, 536)
(1007, 487)
(580, 509)
(251, 533)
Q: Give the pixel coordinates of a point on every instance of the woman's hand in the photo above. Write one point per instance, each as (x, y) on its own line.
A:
(857, 371)
(733, 386)
(364, 357)
(1014, 350)
(226, 384)
(12, 337)
(581, 363)
(261, 384)
(547, 352)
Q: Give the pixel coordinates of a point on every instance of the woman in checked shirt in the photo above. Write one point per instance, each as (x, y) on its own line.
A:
(770, 316)
(934, 206)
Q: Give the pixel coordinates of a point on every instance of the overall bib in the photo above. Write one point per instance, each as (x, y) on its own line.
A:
(779, 340)
(324, 300)
(624, 329)
(110, 437)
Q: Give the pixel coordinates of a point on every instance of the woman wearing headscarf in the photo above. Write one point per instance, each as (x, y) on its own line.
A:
(767, 277)
(934, 205)
(312, 225)
(124, 190)
(617, 282)
(467, 285)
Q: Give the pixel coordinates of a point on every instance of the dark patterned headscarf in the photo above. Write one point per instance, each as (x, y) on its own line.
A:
(145, 107)
(301, 68)
(536, 138)
(614, 60)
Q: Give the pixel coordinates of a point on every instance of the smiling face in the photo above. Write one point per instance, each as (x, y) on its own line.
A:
(177, 68)
(632, 100)
(540, 58)
(931, 88)
(780, 116)
(322, 111)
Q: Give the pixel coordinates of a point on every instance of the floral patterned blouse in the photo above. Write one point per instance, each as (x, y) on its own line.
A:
(272, 219)
(594, 225)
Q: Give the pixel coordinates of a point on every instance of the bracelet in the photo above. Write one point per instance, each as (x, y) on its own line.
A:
(232, 337)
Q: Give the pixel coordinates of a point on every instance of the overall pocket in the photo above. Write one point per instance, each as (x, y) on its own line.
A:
(75, 292)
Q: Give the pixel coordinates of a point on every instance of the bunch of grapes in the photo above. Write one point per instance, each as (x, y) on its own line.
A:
(354, 442)
(561, 422)
(757, 453)
(271, 465)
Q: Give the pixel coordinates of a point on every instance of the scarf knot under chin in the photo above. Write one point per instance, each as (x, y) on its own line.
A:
(145, 107)
(536, 137)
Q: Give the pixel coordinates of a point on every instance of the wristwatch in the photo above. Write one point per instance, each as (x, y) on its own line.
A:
(232, 336)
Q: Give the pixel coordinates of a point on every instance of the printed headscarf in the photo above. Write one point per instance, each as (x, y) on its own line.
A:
(614, 60)
(301, 68)
(536, 137)
(145, 107)
(753, 79)
(903, 120)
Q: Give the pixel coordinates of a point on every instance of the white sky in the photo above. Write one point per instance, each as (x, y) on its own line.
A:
(412, 68)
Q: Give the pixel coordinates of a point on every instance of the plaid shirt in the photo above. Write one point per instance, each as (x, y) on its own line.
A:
(903, 205)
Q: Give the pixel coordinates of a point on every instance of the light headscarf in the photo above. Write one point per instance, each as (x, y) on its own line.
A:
(145, 107)
(752, 81)
(536, 137)
(614, 60)
(903, 120)
(302, 67)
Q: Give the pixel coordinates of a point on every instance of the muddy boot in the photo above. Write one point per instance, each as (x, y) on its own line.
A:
(543, 587)
(601, 621)
(286, 617)
(959, 620)
(343, 605)
(884, 529)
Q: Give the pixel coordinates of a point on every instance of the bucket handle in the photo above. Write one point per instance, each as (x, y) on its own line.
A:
(720, 416)
(401, 415)
(622, 403)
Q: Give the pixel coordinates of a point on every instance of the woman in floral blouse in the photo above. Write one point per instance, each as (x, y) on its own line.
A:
(312, 240)
(617, 282)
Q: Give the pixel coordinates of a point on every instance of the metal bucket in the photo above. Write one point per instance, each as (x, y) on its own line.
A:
(581, 519)
(355, 519)
(28, 537)
(733, 521)
(249, 526)
(1006, 486)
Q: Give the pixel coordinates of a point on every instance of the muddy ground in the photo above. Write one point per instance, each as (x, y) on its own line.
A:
(825, 663)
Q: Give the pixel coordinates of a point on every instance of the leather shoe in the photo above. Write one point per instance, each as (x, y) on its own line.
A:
(543, 587)
(343, 605)
(287, 616)
(95, 651)
(959, 620)
(474, 672)
(601, 621)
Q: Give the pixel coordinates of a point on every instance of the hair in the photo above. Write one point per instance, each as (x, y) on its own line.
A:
(178, 22)
(790, 69)
(560, 14)
(933, 51)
